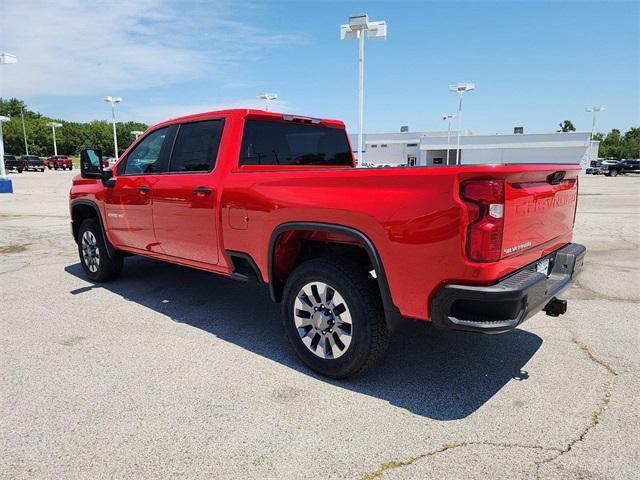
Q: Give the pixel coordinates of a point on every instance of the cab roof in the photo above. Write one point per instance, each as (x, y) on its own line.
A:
(250, 112)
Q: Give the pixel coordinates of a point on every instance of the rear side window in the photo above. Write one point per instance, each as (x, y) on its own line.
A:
(196, 146)
(278, 143)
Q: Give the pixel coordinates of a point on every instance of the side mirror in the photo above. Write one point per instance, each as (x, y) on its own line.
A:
(91, 163)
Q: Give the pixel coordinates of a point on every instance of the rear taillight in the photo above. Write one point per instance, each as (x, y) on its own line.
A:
(485, 205)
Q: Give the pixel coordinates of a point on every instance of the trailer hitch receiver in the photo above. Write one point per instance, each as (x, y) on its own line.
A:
(555, 307)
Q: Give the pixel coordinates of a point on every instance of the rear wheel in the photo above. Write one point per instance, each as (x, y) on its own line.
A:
(333, 317)
(94, 258)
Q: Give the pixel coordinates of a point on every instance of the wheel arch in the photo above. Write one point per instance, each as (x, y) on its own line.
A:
(81, 210)
(276, 285)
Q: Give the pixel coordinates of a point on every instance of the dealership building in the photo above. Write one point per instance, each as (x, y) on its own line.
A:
(431, 148)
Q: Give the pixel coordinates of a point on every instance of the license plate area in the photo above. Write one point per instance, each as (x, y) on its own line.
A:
(543, 266)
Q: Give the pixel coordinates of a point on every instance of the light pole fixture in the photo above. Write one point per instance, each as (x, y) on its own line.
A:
(267, 97)
(136, 133)
(53, 126)
(593, 110)
(7, 58)
(356, 28)
(448, 117)
(460, 88)
(113, 101)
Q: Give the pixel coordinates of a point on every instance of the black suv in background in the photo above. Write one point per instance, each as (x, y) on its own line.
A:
(13, 163)
(623, 166)
(32, 162)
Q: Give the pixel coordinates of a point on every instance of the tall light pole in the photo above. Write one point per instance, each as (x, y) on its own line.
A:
(5, 183)
(267, 97)
(113, 101)
(136, 133)
(460, 88)
(3, 173)
(593, 110)
(53, 126)
(356, 28)
(24, 132)
(449, 117)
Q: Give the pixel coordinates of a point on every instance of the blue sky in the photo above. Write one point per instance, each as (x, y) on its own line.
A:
(533, 63)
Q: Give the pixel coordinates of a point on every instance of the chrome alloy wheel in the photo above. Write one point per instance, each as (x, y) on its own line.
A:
(323, 320)
(90, 251)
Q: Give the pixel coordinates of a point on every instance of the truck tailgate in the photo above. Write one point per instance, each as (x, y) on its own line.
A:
(539, 207)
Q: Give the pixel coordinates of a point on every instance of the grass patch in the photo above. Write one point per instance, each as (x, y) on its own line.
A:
(596, 416)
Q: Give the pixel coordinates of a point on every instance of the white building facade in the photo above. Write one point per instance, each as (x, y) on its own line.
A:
(430, 148)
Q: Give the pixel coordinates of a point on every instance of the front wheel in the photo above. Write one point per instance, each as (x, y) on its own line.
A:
(614, 173)
(333, 317)
(94, 258)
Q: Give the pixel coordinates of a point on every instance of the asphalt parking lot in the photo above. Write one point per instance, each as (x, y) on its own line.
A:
(175, 373)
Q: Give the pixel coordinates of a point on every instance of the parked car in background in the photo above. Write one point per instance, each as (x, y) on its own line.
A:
(594, 168)
(109, 162)
(623, 166)
(33, 162)
(350, 253)
(59, 162)
(13, 163)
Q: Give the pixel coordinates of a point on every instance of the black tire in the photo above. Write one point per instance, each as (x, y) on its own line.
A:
(370, 336)
(106, 268)
(614, 173)
(19, 170)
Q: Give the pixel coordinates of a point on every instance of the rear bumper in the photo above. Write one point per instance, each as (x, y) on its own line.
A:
(502, 307)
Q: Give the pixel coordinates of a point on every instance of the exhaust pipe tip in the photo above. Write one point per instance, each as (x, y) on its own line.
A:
(555, 307)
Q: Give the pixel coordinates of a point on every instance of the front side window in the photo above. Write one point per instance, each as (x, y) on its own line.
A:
(145, 158)
(196, 147)
(288, 143)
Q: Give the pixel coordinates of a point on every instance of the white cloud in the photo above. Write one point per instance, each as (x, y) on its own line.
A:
(74, 47)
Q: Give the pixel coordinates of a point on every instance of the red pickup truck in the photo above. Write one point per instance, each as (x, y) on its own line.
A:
(350, 253)
(59, 162)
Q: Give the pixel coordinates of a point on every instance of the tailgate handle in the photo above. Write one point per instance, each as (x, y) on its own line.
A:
(556, 178)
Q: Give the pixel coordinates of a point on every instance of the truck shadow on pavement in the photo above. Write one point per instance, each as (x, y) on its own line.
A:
(439, 375)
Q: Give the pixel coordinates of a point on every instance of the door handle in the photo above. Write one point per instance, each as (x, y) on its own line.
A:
(202, 191)
(143, 189)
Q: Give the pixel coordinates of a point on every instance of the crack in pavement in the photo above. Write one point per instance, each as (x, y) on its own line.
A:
(393, 464)
(585, 349)
(598, 414)
(597, 417)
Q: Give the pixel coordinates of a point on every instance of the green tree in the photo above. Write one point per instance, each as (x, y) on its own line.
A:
(566, 126)
(70, 138)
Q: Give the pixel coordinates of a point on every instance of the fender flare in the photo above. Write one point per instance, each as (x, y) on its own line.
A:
(393, 316)
(111, 251)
